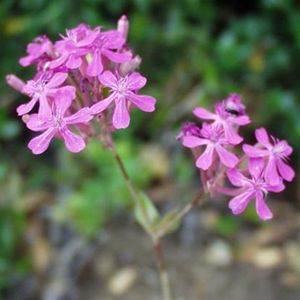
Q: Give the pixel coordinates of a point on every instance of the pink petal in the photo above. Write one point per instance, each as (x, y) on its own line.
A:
(285, 170)
(228, 159)
(25, 108)
(103, 104)
(116, 57)
(256, 167)
(143, 102)
(58, 62)
(262, 136)
(241, 120)
(57, 80)
(271, 174)
(35, 123)
(82, 116)
(90, 38)
(44, 108)
(236, 177)
(252, 151)
(136, 81)
(202, 113)
(63, 101)
(205, 160)
(275, 188)
(121, 117)
(239, 203)
(73, 142)
(26, 61)
(262, 209)
(193, 141)
(107, 78)
(41, 143)
(95, 67)
(73, 62)
(231, 135)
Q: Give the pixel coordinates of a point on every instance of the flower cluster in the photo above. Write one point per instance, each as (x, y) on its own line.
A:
(261, 169)
(87, 73)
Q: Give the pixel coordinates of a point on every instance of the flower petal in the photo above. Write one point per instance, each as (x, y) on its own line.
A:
(25, 108)
(236, 177)
(95, 67)
(262, 209)
(241, 120)
(107, 78)
(82, 116)
(262, 136)
(121, 117)
(57, 80)
(136, 81)
(73, 142)
(143, 102)
(202, 113)
(231, 135)
(103, 104)
(275, 188)
(74, 62)
(256, 167)
(253, 151)
(285, 170)
(41, 143)
(227, 158)
(36, 123)
(58, 62)
(116, 56)
(193, 141)
(271, 174)
(239, 203)
(204, 161)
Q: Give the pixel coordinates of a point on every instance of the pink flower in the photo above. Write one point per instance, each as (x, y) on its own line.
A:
(56, 122)
(106, 46)
(276, 154)
(123, 92)
(45, 85)
(40, 48)
(188, 129)
(214, 139)
(229, 114)
(254, 188)
(74, 46)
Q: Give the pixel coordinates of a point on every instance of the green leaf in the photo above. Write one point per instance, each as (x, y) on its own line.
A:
(146, 213)
(168, 223)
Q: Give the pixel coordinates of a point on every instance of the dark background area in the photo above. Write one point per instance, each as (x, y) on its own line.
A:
(65, 220)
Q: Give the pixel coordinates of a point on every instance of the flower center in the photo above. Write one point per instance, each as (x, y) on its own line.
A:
(58, 121)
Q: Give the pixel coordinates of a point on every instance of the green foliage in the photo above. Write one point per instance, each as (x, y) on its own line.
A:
(97, 189)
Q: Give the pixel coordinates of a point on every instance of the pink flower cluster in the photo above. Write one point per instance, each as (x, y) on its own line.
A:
(261, 169)
(88, 72)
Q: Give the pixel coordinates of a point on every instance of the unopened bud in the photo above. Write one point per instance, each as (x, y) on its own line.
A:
(15, 82)
(123, 26)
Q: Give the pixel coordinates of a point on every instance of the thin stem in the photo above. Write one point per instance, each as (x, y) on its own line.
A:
(132, 191)
(164, 278)
(163, 274)
(185, 210)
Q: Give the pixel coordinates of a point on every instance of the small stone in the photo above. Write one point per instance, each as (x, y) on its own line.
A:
(292, 250)
(218, 254)
(122, 281)
(267, 258)
(290, 280)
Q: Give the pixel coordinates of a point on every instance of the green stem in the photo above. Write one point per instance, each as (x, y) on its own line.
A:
(163, 274)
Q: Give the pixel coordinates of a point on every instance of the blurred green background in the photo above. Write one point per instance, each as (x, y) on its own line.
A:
(194, 52)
